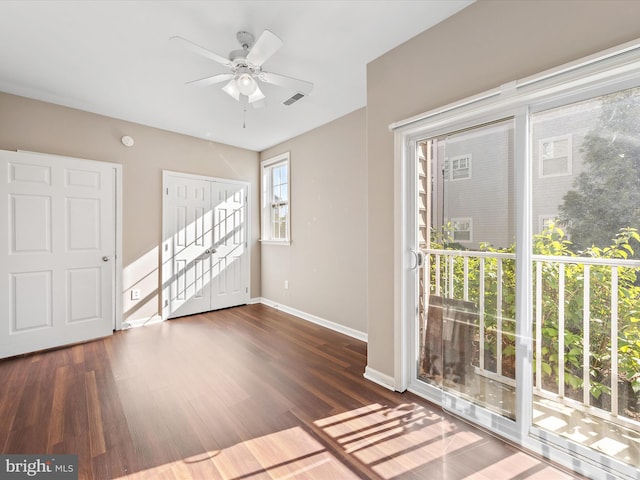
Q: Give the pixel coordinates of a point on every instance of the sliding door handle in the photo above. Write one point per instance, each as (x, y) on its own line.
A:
(418, 257)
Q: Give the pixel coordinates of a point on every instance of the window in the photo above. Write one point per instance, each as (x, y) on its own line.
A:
(555, 156)
(461, 167)
(546, 221)
(461, 229)
(457, 168)
(276, 206)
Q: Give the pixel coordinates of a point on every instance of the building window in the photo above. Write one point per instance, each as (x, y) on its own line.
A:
(461, 229)
(276, 204)
(460, 167)
(555, 156)
(546, 221)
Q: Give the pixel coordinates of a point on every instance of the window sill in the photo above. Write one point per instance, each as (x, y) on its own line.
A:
(276, 242)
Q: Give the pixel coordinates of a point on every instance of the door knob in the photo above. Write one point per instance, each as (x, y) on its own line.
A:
(105, 259)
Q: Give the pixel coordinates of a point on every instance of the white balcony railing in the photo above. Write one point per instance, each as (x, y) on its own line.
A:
(488, 280)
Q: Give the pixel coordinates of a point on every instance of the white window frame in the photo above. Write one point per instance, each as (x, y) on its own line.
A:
(541, 156)
(452, 168)
(266, 169)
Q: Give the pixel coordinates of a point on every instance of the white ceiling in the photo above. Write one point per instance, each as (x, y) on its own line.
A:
(115, 58)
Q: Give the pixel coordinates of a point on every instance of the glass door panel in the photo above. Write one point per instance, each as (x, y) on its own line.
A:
(586, 267)
(467, 284)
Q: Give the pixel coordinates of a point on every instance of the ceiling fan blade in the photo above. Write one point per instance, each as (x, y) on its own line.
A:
(256, 96)
(205, 82)
(203, 51)
(265, 46)
(287, 82)
(231, 89)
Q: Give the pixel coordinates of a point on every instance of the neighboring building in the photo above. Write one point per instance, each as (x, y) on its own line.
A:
(473, 172)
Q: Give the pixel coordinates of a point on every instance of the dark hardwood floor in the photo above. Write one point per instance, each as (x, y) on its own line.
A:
(243, 393)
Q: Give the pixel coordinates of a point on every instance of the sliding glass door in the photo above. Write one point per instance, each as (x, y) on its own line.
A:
(586, 265)
(525, 236)
(467, 285)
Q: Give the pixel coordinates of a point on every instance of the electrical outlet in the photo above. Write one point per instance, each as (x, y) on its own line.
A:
(286, 284)
(135, 294)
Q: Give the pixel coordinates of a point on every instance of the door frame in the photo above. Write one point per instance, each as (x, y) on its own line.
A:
(165, 272)
(117, 210)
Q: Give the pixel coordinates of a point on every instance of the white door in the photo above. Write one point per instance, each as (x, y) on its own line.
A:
(205, 254)
(229, 255)
(56, 252)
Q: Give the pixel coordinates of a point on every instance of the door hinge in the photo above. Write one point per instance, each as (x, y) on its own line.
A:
(246, 290)
(167, 191)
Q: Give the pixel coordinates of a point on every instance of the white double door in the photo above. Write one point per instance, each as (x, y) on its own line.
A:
(205, 249)
(57, 251)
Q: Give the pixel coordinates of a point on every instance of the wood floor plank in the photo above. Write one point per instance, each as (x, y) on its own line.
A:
(243, 393)
(94, 413)
(13, 378)
(60, 390)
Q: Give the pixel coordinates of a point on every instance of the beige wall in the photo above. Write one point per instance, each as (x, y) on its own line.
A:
(326, 262)
(483, 46)
(42, 127)
(340, 265)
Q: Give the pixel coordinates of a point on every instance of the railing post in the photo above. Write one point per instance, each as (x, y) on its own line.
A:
(451, 272)
(614, 341)
(465, 287)
(437, 275)
(481, 308)
(499, 319)
(561, 294)
(539, 324)
(586, 342)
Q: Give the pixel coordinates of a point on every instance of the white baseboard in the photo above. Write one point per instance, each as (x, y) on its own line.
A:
(362, 336)
(141, 322)
(380, 378)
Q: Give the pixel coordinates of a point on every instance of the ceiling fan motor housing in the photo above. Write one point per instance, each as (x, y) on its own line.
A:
(238, 56)
(246, 40)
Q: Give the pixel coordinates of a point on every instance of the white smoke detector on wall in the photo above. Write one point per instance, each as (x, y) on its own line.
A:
(127, 141)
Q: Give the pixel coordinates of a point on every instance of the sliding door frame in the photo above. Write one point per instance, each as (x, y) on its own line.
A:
(612, 70)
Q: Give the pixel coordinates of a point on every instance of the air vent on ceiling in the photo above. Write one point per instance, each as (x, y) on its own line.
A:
(293, 99)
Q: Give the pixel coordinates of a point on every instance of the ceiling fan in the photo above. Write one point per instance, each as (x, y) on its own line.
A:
(246, 68)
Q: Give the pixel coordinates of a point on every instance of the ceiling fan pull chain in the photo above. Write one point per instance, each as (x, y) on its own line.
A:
(244, 117)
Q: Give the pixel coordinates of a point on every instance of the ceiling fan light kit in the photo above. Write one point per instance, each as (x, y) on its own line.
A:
(246, 84)
(245, 67)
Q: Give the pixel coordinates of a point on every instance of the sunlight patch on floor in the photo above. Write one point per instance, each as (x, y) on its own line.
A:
(394, 441)
(288, 454)
(609, 446)
(521, 465)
